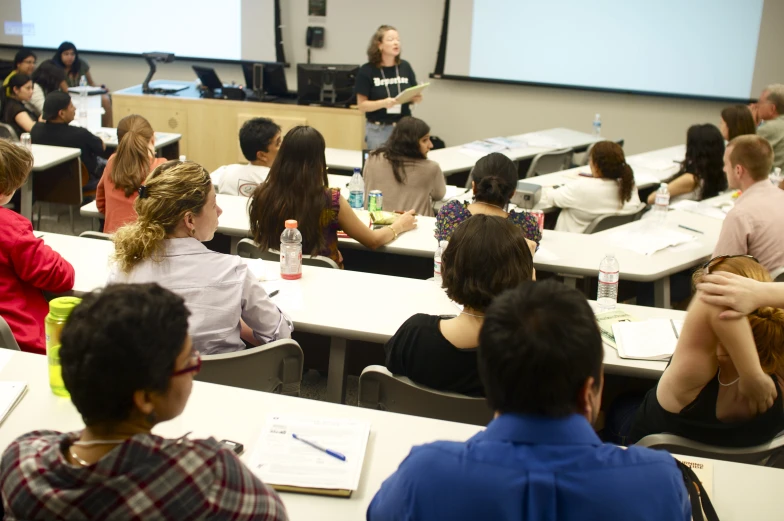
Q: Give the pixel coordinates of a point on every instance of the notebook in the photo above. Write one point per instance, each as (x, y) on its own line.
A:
(289, 465)
(606, 321)
(649, 340)
(11, 393)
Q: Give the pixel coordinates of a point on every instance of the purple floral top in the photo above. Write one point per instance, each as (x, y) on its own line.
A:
(328, 222)
(454, 212)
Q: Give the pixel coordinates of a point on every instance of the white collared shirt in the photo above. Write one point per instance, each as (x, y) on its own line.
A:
(218, 290)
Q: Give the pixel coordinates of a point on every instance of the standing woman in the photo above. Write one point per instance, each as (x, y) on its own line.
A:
(67, 57)
(17, 110)
(402, 171)
(379, 81)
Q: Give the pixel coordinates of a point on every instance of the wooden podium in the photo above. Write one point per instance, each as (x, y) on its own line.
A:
(210, 127)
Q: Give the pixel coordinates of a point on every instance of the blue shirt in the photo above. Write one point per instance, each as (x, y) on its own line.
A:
(535, 469)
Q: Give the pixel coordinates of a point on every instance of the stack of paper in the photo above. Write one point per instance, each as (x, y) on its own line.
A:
(606, 321)
(648, 238)
(288, 464)
(10, 394)
(700, 208)
(481, 148)
(650, 340)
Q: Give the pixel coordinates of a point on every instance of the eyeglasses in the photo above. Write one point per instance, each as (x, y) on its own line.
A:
(715, 260)
(193, 367)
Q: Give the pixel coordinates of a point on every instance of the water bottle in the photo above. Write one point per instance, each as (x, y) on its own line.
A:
(59, 310)
(775, 177)
(291, 252)
(437, 262)
(183, 158)
(83, 101)
(662, 203)
(609, 274)
(26, 141)
(356, 198)
(597, 125)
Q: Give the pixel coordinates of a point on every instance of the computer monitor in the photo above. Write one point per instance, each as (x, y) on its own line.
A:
(272, 79)
(208, 77)
(329, 85)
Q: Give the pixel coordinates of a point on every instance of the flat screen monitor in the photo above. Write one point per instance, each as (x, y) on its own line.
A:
(328, 85)
(273, 78)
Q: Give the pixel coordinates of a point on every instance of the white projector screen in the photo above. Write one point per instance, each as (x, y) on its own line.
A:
(223, 30)
(701, 48)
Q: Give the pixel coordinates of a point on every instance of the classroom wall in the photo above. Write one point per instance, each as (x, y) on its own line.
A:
(460, 111)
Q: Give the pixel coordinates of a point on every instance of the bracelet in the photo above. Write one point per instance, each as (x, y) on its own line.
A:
(393, 231)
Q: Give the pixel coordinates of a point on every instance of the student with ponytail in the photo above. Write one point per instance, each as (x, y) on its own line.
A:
(609, 190)
(177, 211)
(494, 180)
(126, 171)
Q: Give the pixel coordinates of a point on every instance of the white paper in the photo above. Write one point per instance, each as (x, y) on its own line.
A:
(506, 142)
(540, 141)
(10, 394)
(648, 237)
(484, 147)
(702, 468)
(279, 459)
(707, 210)
(649, 340)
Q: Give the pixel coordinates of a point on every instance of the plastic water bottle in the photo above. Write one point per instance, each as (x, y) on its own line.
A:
(59, 310)
(597, 125)
(356, 198)
(609, 274)
(291, 252)
(83, 101)
(662, 203)
(183, 158)
(437, 262)
(775, 177)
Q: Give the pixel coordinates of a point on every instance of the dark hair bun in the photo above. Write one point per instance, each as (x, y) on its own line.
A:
(494, 190)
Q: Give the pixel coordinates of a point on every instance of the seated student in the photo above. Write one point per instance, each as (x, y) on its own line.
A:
(298, 188)
(487, 255)
(47, 78)
(540, 360)
(129, 364)
(177, 212)
(56, 130)
(769, 112)
(17, 110)
(27, 265)
(753, 226)
(260, 140)
(126, 171)
(24, 63)
(401, 170)
(67, 57)
(494, 181)
(740, 295)
(723, 385)
(701, 175)
(736, 120)
(610, 190)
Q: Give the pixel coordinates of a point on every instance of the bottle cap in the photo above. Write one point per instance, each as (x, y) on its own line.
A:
(291, 223)
(62, 306)
(443, 244)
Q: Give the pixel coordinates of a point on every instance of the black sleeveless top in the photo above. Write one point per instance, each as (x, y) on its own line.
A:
(698, 422)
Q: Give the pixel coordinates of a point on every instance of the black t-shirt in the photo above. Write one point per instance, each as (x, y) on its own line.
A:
(385, 82)
(11, 108)
(63, 135)
(420, 352)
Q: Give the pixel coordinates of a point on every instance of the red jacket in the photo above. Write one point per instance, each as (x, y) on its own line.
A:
(28, 267)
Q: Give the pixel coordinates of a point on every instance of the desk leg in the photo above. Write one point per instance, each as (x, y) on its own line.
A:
(336, 377)
(26, 204)
(661, 293)
(234, 242)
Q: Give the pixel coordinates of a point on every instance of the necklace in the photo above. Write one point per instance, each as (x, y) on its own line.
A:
(488, 204)
(90, 443)
(471, 314)
(718, 377)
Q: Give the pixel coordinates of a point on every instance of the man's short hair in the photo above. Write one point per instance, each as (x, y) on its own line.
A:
(538, 345)
(256, 135)
(776, 96)
(16, 162)
(120, 340)
(753, 153)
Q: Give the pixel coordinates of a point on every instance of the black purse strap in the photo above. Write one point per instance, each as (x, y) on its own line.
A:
(698, 496)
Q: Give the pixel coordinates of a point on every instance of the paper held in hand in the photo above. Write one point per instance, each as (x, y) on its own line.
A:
(289, 465)
(408, 94)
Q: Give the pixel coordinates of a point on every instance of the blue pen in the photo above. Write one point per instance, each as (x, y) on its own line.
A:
(332, 453)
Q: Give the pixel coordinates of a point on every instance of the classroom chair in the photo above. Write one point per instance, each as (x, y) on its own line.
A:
(8, 132)
(381, 390)
(274, 368)
(7, 339)
(778, 274)
(96, 235)
(248, 249)
(549, 162)
(605, 222)
(769, 454)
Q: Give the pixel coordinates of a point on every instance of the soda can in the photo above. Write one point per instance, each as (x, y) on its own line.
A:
(26, 141)
(539, 214)
(375, 201)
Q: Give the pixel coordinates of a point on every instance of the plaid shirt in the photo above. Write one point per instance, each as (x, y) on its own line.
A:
(147, 477)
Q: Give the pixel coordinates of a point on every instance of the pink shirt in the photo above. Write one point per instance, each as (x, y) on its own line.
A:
(755, 226)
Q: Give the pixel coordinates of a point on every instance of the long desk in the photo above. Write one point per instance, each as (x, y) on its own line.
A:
(167, 144)
(306, 303)
(740, 492)
(61, 162)
(210, 126)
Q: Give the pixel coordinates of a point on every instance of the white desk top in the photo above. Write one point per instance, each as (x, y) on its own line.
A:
(343, 159)
(740, 492)
(46, 156)
(162, 139)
